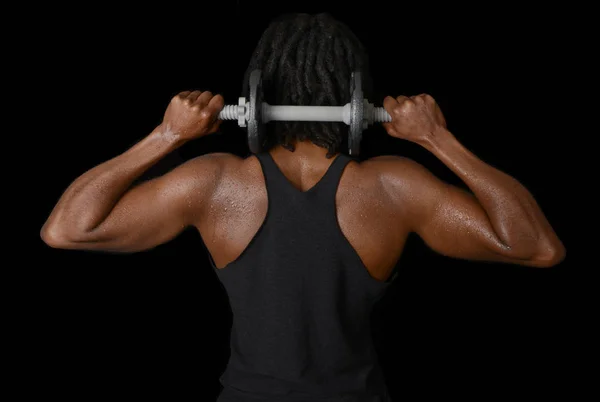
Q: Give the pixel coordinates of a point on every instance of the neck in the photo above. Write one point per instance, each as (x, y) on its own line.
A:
(303, 150)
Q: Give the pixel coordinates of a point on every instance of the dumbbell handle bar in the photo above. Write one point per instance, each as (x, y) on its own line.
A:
(300, 113)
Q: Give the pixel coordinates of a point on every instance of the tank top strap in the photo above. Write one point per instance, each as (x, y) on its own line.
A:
(274, 178)
(331, 180)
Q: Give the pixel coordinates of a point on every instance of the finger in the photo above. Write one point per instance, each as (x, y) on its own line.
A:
(215, 126)
(204, 99)
(183, 95)
(393, 106)
(215, 105)
(389, 104)
(193, 96)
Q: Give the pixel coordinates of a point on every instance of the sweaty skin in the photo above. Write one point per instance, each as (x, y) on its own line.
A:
(379, 201)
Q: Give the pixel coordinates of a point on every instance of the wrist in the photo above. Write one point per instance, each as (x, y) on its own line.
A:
(164, 136)
(154, 146)
(450, 151)
(438, 140)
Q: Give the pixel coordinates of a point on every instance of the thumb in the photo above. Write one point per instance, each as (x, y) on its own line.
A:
(215, 126)
(390, 129)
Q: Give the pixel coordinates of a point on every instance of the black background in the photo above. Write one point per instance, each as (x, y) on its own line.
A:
(156, 323)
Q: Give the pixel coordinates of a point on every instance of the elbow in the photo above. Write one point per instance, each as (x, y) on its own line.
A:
(59, 237)
(54, 237)
(551, 256)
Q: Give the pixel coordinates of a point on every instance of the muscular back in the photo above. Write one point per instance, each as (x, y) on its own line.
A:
(365, 214)
(379, 202)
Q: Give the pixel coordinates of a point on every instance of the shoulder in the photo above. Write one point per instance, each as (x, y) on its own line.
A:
(202, 174)
(395, 170)
(404, 182)
(216, 159)
(210, 166)
(389, 161)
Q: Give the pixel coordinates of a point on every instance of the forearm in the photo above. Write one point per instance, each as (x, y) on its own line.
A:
(512, 210)
(91, 197)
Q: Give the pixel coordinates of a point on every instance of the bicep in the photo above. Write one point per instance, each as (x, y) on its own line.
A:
(155, 211)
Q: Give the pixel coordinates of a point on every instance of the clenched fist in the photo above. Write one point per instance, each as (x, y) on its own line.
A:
(193, 114)
(415, 119)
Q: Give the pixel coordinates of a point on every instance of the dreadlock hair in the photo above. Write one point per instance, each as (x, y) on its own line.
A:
(308, 60)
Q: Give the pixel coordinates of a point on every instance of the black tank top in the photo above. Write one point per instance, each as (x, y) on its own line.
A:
(301, 300)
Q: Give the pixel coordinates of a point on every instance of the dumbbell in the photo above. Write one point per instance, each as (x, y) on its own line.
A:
(254, 113)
